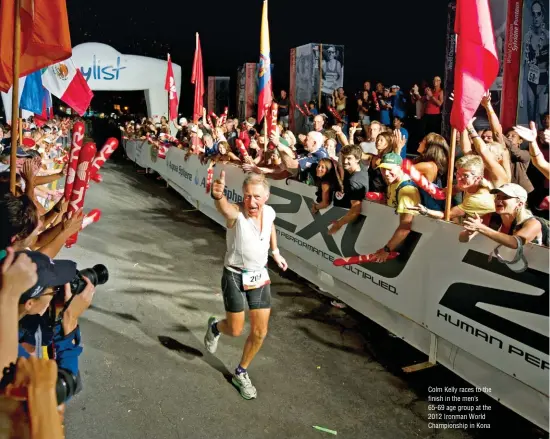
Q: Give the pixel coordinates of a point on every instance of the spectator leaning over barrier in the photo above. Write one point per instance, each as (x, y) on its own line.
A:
(402, 195)
(477, 197)
(356, 186)
(327, 183)
(304, 166)
(512, 220)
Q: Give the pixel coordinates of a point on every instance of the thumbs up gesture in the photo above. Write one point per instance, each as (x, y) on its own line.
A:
(218, 187)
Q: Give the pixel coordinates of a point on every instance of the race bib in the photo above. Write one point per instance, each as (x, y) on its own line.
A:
(255, 279)
(534, 74)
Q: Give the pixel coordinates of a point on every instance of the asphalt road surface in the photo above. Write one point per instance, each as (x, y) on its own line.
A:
(147, 374)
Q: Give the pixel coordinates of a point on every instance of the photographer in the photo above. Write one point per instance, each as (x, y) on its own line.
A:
(56, 330)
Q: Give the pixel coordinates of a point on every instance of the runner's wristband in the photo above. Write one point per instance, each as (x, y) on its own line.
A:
(217, 199)
(275, 252)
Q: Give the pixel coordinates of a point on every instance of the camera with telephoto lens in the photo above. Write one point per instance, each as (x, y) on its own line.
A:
(67, 385)
(98, 275)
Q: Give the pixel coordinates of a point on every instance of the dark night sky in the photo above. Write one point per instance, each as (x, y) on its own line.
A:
(395, 42)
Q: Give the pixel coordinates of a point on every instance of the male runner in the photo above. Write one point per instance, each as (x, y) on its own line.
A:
(250, 234)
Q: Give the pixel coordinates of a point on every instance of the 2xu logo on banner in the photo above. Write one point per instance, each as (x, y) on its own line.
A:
(319, 225)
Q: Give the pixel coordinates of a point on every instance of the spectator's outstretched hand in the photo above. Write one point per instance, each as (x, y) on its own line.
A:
(473, 223)
(486, 99)
(527, 134)
(251, 168)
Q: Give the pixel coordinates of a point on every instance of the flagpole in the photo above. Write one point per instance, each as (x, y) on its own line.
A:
(168, 94)
(450, 174)
(265, 133)
(15, 94)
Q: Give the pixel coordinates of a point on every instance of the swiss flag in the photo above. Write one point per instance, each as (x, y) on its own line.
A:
(170, 87)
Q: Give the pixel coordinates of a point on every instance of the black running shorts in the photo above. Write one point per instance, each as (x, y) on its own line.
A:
(234, 295)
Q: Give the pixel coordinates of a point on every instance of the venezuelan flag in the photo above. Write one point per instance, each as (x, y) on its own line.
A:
(264, 72)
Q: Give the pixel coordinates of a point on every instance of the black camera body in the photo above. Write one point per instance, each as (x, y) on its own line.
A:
(98, 275)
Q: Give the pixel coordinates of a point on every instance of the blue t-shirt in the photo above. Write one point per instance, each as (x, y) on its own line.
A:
(398, 105)
(208, 152)
(406, 136)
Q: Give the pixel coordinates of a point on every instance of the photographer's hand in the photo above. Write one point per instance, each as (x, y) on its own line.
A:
(18, 274)
(79, 304)
(35, 381)
(73, 224)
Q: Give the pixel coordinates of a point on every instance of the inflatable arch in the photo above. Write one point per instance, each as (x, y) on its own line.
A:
(107, 69)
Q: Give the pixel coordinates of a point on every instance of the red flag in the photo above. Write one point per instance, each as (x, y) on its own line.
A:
(45, 37)
(197, 78)
(170, 87)
(476, 59)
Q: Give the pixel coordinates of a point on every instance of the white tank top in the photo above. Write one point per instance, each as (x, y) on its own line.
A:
(247, 247)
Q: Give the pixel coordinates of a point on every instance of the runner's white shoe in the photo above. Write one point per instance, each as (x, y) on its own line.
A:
(211, 340)
(243, 383)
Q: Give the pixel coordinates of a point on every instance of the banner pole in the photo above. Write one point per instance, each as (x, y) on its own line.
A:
(320, 74)
(450, 174)
(15, 94)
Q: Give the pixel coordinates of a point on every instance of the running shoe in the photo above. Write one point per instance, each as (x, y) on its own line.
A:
(211, 340)
(243, 383)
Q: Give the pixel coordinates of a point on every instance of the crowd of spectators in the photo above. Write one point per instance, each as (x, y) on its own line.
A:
(349, 162)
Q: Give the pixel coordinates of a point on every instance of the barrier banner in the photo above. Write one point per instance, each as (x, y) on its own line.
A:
(512, 60)
(491, 322)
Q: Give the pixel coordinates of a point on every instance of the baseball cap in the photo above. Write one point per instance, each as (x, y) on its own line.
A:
(50, 274)
(390, 161)
(183, 120)
(20, 152)
(396, 86)
(512, 190)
